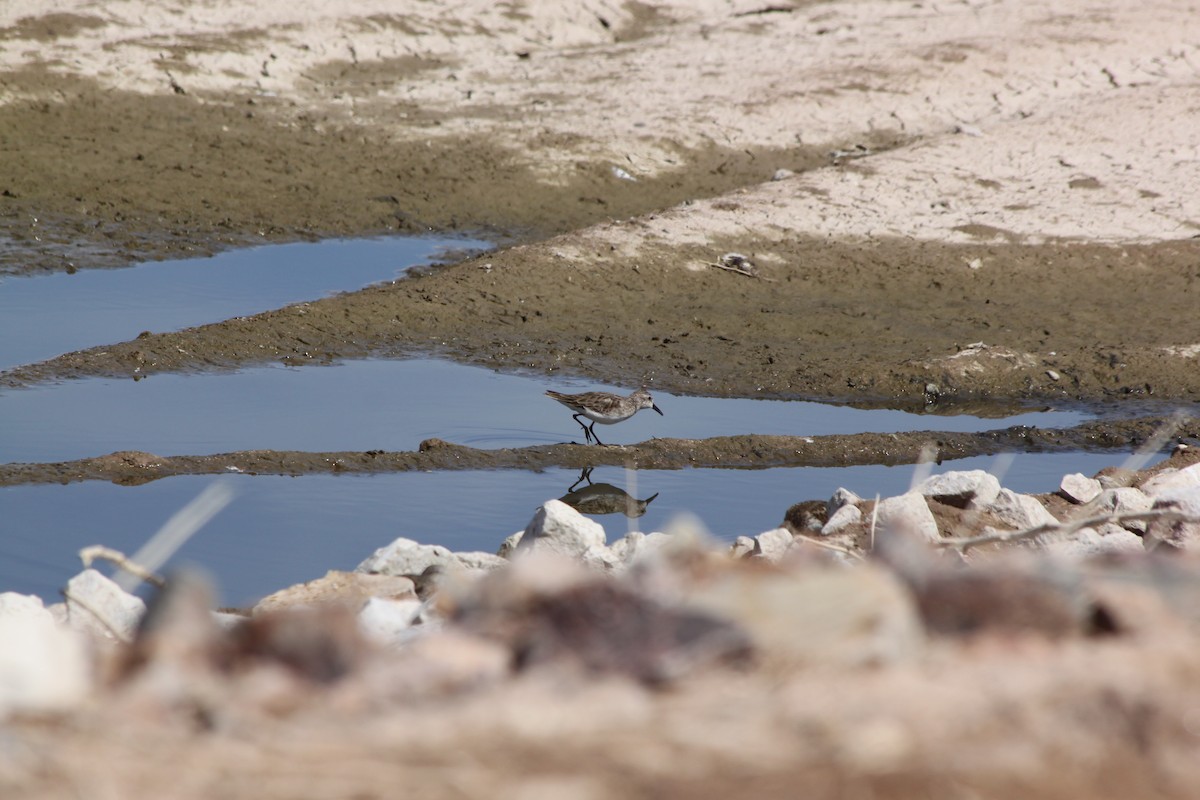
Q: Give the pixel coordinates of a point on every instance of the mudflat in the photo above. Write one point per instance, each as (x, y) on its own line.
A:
(984, 203)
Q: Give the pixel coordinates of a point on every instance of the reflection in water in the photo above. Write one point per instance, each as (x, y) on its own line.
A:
(603, 498)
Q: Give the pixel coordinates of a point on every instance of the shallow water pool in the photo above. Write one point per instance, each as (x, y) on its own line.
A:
(279, 530)
(43, 316)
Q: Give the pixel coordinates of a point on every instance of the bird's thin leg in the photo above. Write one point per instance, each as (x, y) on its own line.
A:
(594, 436)
(584, 475)
(587, 434)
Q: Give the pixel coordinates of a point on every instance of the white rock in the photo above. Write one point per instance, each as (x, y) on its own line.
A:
(1088, 542)
(627, 547)
(658, 540)
(1184, 499)
(14, 604)
(842, 497)
(961, 487)
(636, 545)
(558, 528)
(907, 513)
(96, 604)
(385, 621)
(1172, 479)
(407, 557)
(336, 586)
(509, 545)
(600, 557)
(742, 546)
(226, 621)
(479, 561)
(1115, 539)
(43, 665)
(1020, 511)
(60, 613)
(1079, 488)
(1125, 500)
(773, 544)
(844, 517)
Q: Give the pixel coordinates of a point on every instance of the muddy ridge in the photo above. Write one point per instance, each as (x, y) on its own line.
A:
(726, 452)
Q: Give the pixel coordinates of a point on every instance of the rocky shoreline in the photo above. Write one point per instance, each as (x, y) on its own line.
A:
(907, 591)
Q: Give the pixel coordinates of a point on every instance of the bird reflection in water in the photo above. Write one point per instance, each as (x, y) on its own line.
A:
(603, 498)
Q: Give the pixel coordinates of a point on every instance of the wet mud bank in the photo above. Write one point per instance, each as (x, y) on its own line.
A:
(128, 177)
(894, 258)
(907, 325)
(747, 452)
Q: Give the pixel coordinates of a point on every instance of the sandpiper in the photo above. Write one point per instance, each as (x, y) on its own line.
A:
(602, 407)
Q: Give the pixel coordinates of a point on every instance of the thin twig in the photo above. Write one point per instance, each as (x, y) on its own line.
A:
(766, 10)
(829, 546)
(962, 544)
(98, 551)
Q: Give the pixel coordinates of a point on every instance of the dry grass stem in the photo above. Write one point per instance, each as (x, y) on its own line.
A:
(829, 546)
(96, 552)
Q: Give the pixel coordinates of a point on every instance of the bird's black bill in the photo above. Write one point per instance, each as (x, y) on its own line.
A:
(659, 410)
